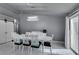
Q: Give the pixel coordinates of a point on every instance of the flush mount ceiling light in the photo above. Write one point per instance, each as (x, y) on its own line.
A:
(32, 18)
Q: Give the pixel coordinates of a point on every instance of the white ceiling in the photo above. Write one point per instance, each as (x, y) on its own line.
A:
(43, 8)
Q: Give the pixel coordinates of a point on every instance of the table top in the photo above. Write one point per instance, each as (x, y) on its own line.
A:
(46, 38)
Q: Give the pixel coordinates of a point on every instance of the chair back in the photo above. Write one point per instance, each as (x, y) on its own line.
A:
(35, 41)
(26, 41)
(17, 40)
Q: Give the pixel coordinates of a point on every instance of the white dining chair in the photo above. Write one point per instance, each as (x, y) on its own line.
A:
(35, 44)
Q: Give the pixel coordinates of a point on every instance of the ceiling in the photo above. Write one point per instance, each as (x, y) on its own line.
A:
(55, 9)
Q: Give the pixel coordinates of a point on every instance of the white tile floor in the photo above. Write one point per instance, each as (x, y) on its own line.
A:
(58, 45)
(58, 49)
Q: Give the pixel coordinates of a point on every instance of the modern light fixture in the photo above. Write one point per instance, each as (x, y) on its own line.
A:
(32, 18)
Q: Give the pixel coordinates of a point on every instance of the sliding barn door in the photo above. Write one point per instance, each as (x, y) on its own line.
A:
(2, 31)
(74, 33)
(6, 28)
(9, 28)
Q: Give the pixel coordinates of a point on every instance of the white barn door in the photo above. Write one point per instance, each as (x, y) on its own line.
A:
(9, 28)
(2, 31)
(6, 28)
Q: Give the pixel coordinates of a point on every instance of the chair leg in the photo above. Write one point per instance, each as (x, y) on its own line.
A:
(28, 50)
(16, 47)
(31, 50)
(22, 49)
(51, 50)
(19, 47)
(42, 49)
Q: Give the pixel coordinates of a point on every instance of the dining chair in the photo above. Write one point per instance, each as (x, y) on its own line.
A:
(26, 45)
(17, 43)
(35, 43)
(48, 44)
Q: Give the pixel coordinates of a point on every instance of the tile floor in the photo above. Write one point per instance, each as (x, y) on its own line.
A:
(57, 49)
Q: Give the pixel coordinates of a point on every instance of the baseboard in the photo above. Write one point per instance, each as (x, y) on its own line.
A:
(59, 42)
(5, 42)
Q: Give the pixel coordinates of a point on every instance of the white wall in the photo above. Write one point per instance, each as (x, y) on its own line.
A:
(54, 25)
